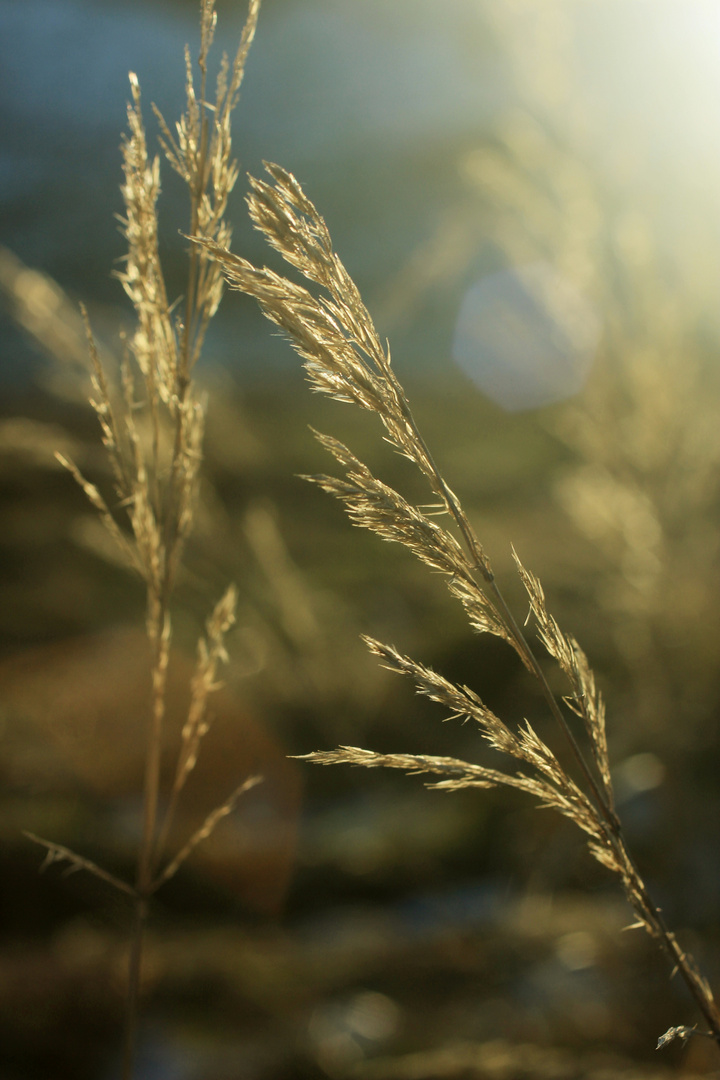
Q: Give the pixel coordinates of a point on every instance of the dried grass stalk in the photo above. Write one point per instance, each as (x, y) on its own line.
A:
(332, 331)
(205, 830)
(58, 853)
(152, 428)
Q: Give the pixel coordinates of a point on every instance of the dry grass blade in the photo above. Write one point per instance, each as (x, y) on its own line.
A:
(101, 402)
(95, 499)
(38, 304)
(201, 153)
(457, 775)
(373, 505)
(154, 344)
(462, 702)
(585, 699)
(211, 653)
(550, 784)
(57, 853)
(205, 830)
(680, 1032)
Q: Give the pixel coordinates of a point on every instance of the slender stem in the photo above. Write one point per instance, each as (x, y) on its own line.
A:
(187, 352)
(167, 821)
(158, 600)
(133, 990)
(147, 851)
(678, 956)
(195, 199)
(152, 760)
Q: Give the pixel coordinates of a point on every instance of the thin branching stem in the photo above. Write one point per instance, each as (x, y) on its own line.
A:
(58, 853)
(132, 999)
(154, 441)
(160, 644)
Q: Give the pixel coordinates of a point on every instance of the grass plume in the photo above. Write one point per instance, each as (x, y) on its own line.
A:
(331, 329)
(152, 426)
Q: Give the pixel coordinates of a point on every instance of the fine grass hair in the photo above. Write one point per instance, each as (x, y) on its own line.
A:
(344, 358)
(152, 419)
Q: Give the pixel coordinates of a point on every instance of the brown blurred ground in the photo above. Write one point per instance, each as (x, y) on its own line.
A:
(375, 929)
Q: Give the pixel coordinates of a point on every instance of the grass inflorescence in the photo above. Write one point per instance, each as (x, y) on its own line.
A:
(332, 330)
(152, 420)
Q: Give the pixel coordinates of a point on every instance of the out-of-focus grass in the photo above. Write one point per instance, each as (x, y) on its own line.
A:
(401, 914)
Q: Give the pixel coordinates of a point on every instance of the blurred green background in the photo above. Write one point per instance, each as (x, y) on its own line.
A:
(526, 194)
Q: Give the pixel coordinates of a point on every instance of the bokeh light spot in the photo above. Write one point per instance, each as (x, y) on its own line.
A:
(526, 337)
